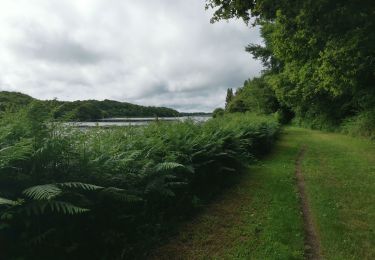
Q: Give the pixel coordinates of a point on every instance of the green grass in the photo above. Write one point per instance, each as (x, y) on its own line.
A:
(340, 180)
(260, 218)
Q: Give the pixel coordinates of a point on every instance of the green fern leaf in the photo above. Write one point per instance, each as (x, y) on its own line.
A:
(4, 201)
(79, 185)
(42, 192)
(167, 166)
(119, 194)
(66, 208)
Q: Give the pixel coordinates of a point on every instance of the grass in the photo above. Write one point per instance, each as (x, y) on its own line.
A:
(340, 180)
(260, 217)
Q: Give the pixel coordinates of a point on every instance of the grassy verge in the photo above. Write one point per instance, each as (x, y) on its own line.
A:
(340, 180)
(260, 218)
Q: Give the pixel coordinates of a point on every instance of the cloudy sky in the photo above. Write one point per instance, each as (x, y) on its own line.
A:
(158, 52)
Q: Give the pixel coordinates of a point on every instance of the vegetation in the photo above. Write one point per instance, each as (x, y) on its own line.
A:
(260, 217)
(218, 112)
(87, 110)
(116, 193)
(113, 193)
(318, 58)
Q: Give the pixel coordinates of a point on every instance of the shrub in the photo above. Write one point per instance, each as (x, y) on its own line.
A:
(362, 124)
(218, 112)
(114, 193)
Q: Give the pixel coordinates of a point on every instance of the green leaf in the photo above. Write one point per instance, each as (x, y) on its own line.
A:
(80, 185)
(4, 201)
(42, 192)
(167, 166)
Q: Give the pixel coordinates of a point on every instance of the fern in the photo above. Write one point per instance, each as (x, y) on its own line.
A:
(43, 192)
(61, 207)
(4, 201)
(66, 208)
(41, 237)
(79, 185)
(167, 166)
(120, 194)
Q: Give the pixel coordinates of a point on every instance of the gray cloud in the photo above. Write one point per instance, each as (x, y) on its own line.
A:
(150, 52)
(55, 48)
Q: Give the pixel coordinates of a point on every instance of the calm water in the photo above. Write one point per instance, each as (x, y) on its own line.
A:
(135, 121)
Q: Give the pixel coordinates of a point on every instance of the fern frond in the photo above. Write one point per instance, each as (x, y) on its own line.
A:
(167, 166)
(176, 184)
(41, 237)
(120, 194)
(4, 201)
(61, 207)
(79, 185)
(66, 208)
(43, 192)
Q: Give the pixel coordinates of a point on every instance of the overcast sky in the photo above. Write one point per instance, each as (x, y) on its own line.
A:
(150, 52)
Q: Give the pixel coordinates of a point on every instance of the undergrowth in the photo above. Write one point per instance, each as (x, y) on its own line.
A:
(113, 193)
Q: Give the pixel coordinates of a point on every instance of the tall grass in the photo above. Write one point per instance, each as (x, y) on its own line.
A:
(113, 193)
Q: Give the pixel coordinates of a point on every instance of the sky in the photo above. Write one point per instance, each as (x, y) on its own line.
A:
(157, 53)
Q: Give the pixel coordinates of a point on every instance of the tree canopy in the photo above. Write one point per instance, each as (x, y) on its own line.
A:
(319, 56)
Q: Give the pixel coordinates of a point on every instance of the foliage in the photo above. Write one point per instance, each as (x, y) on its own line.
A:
(255, 96)
(218, 112)
(113, 193)
(362, 124)
(318, 55)
(13, 99)
(229, 97)
(264, 212)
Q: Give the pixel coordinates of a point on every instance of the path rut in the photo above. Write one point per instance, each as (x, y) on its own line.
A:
(312, 242)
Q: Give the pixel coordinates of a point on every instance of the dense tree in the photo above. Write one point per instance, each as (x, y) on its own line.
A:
(255, 96)
(10, 99)
(218, 112)
(229, 97)
(319, 55)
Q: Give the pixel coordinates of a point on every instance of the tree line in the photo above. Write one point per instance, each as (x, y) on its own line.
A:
(86, 110)
(318, 58)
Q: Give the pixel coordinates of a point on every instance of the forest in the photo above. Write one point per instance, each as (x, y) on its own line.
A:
(86, 110)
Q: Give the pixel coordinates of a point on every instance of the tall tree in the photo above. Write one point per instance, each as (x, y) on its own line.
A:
(229, 97)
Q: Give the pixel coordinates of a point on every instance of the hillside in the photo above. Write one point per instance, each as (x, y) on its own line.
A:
(8, 98)
(85, 110)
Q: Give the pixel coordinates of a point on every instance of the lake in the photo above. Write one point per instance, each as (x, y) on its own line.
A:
(136, 121)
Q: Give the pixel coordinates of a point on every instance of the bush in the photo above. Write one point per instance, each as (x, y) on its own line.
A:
(218, 112)
(114, 193)
(361, 125)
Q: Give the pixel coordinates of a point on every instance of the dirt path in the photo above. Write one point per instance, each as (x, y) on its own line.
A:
(312, 242)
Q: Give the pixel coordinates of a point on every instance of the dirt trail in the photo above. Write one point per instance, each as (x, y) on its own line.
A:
(312, 242)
